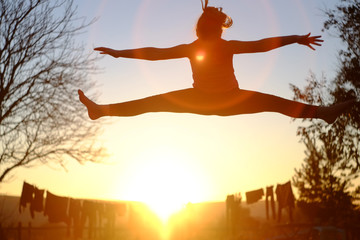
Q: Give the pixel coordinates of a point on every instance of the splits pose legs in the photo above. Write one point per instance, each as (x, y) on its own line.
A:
(215, 89)
(234, 103)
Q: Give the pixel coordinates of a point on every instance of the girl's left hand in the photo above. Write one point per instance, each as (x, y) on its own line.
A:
(307, 40)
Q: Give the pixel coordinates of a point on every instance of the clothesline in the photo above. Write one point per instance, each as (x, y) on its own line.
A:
(284, 196)
(65, 209)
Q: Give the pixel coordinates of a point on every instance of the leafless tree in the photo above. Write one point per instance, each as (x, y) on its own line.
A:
(41, 67)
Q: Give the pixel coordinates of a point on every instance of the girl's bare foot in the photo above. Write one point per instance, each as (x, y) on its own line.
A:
(331, 113)
(95, 111)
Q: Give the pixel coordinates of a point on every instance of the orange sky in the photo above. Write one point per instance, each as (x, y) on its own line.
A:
(165, 159)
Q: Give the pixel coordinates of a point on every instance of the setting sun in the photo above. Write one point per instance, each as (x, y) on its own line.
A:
(165, 183)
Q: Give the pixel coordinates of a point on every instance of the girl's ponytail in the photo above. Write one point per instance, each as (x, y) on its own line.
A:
(204, 6)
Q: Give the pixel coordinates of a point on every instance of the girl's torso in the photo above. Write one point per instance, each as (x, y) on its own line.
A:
(212, 66)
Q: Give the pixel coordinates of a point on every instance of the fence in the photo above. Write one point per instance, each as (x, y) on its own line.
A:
(27, 232)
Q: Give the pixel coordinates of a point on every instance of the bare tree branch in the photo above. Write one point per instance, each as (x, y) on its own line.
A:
(41, 68)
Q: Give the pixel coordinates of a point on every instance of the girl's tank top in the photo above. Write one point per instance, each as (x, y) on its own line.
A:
(212, 67)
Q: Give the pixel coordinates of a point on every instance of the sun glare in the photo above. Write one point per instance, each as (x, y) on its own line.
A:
(200, 56)
(165, 184)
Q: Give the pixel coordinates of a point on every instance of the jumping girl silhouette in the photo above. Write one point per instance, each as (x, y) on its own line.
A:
(215, 89)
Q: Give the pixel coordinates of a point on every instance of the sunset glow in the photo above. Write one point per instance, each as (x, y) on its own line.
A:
(164, 182)
(168, 160)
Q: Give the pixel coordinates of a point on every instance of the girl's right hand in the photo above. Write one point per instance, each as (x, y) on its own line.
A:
(108, 51)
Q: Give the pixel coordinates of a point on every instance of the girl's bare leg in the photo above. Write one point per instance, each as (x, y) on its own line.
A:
(232, 103)
(248, 102)
(168, 102)
(95, 111)
(331, 113)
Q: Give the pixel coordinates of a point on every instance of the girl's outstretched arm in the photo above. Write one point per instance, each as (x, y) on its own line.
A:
(268, 44)
(147, 53)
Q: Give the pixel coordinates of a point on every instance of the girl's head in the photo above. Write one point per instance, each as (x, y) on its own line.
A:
(211, 23)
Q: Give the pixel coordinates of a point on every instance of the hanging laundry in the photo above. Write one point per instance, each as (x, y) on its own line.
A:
(27, 195)
(121, 209)
(74, 217)
(56, 208)
(233, 213)
(110, 210)
(254, 196)
(110, 215)
(270, 197)
(285, 198)
(37, 204)
(230, 199)
(100, 209)
(89, 212)
(233, 202)
(74, 208)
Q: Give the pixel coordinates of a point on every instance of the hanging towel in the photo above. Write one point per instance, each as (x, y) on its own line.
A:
(74, 208)
(121, 209)
(89, 212)
(110, 211)
(285, 198)
(37, 204)
(27, 195)
(56, 208)
(74, 217)
(284, 195)
(254, 196)
(270, 197)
